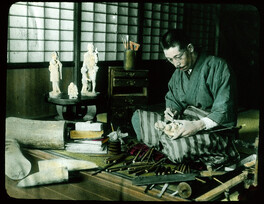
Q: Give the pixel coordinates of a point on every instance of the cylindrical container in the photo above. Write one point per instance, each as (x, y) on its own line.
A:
(129, 59)
(114, 147)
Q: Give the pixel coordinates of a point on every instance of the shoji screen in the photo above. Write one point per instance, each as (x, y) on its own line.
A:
(201, 21)
(158, 18)
(38, 28)
(103, 24)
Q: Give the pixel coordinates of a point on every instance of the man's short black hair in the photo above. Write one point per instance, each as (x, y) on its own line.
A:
(175, 37)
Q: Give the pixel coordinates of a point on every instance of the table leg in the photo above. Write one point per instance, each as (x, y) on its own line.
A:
(91, 112)
(60, 109)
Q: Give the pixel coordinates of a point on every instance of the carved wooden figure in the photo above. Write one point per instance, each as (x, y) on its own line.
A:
(89, 71)
(55, 68)
(72, 91)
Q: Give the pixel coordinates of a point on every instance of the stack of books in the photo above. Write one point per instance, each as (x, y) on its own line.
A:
(87, 138)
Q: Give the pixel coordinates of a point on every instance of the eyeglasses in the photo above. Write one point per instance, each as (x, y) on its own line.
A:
(176, 57)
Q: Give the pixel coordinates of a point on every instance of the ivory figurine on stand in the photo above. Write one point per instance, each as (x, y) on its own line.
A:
(89, 71)
(72, 91)
(55, 68)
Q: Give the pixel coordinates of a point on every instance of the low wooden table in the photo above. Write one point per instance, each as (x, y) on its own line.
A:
(102, 187)
(84, 107)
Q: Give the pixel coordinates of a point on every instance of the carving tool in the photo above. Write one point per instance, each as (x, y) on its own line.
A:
(176, 171)
(139, 167)
(164, 188)
(112, 127)
(113, 169)
(104, 168)
(220, 129)
(151, 151)
(131, 167)
(168, 170)
(158, 170)
(146, 154)
(154, 165)
(162, 170)
(135, 159)
(142, 171)
(110, 162)
(200, 180)
(149, 187)
(174, 193)
(116, 158)
(142, 163)
(128, 162)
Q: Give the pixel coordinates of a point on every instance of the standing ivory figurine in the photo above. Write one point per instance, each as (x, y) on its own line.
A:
(89, 70)
(55, 68)
(72, 91)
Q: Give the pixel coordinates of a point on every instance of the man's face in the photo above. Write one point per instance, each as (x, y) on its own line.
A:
(181, 59)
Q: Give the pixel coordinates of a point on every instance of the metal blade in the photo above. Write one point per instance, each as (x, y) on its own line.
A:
(171, 178)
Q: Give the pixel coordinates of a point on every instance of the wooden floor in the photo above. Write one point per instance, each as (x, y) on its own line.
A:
(84, 186)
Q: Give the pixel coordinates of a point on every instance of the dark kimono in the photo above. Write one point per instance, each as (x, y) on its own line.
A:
(210, 87)
(209, 91)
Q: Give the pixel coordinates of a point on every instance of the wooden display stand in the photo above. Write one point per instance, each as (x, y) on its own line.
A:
(84, 107)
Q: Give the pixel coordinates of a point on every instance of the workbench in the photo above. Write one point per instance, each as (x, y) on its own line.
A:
(113, 187)
(103, 186)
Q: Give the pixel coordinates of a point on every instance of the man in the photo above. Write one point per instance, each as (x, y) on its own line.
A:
(201, 96)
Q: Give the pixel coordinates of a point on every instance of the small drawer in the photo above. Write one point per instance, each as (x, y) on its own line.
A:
(130, 74)
(128, 100)
(130, 82)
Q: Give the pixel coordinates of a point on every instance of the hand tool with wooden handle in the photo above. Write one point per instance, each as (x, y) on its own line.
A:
(164, 188)
(116, 158)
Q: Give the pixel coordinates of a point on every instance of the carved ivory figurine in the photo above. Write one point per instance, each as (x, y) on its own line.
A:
(89, 71)
(55, 68)
(72, 91)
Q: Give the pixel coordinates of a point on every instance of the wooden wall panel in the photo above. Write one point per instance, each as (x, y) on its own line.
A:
(25, 91)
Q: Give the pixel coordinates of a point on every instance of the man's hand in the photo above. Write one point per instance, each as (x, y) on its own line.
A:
(169, 114)
(187, 128)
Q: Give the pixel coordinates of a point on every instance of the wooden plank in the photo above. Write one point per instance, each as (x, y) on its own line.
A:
(220, 189)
